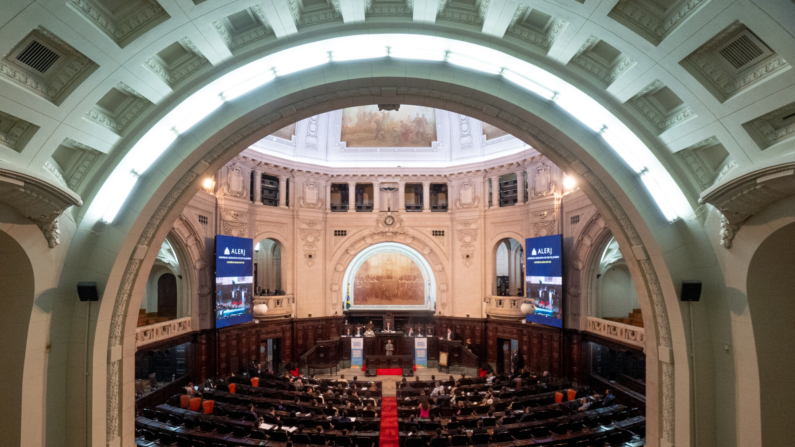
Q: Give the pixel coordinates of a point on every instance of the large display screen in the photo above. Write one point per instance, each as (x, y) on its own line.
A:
(234, 280)
(545, 280)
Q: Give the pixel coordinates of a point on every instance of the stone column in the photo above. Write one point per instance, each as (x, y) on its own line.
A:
(257, 187)
(351, 197)
(282, 191)
(328, 195)
(426, 196)
(376, 197)
(449, 196)
(520, 187)
(401, 196)
(495, 192)
(529, 184)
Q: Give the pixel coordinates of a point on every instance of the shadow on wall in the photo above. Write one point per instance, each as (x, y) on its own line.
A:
(16, 296)
(771, 299)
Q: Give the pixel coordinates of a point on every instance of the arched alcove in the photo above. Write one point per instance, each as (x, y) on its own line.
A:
(509, 263)
(268, 267)
(614, 295)
(166, 296)
(771, 283)
(372, 265)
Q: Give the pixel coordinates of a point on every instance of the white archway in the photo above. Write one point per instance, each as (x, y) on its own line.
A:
(391, 247)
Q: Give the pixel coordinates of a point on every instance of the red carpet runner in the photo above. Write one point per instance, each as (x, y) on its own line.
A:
(389, 422)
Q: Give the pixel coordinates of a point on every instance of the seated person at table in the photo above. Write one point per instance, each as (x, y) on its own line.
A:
(438, 389)
(257, 418)
(344, 417)
(490, 378)
(414, 432)
(479, 429)
(586, 404)
(342, 379)
(369, 332)
(358, 331)
(442, 439)
(410, 332)
(424, 408)
(388, 328)
(348, 332)
(499, 428)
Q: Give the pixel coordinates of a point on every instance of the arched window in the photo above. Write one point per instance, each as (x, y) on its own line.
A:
(165, 295)
(509, 268)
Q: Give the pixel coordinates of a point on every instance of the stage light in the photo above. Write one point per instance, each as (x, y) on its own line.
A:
(208, 184)
(569, 182)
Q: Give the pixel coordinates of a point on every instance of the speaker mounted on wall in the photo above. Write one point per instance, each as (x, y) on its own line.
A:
(691, 290)
(87, 291)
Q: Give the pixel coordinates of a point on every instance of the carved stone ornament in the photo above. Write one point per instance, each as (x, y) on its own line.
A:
(234, 223)
(310, 239)
(542, 182)
(466, 196)
(234, 185)
(544, 228)
(389, 226)
(740, 198)
(311, 196)
(37, 200)
(467, 240)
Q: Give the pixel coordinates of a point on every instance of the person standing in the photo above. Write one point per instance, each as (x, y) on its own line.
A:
(389, 347)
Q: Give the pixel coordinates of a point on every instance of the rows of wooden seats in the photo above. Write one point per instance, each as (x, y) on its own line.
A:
(605, 426)
(153, 433)
(266, 403)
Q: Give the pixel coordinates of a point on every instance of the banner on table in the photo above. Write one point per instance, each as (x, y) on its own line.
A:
(357, 350)
(421, 352)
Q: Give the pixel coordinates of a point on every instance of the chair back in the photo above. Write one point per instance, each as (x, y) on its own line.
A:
(480, 438)
(184, 401)
(195, 403)
(208, 405)
(255, 382)
(459, 440)
(232, 387)
(558, 397)
(572, 394)
(414, 442)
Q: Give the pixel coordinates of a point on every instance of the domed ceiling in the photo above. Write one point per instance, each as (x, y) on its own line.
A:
(404, 135)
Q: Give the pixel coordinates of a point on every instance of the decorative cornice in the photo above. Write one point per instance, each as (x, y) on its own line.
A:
(120, 30)
(540, 40)
(15, 132)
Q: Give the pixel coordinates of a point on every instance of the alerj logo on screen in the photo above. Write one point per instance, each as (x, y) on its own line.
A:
(544, 280)
(234, 280)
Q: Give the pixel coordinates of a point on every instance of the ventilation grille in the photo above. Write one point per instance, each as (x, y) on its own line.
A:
(241, 21)
(438, 232)
(744, 50)
(203, 220)
(575, 219)
(537, 19)
(340, 232)
(38, 57)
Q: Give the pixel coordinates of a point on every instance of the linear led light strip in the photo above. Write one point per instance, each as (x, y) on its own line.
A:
(259, 73)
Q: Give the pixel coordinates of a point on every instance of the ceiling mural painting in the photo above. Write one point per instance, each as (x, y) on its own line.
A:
(410, 126)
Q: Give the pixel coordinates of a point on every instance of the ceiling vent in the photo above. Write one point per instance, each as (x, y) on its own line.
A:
(38, 57)
(241, 21)
(743, 51)
(537, 19)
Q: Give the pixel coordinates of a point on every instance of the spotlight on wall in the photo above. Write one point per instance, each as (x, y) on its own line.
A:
(208, 184)
(569, 182)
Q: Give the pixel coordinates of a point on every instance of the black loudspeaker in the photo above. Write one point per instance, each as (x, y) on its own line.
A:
(87, 291)
(408, 372)
(691, 290)
(370, 372)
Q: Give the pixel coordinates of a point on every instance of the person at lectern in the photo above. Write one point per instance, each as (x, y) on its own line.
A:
(389, 348)
(449, 335)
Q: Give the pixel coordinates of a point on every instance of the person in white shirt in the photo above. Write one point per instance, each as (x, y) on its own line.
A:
(437, 390)
(449, 334)
(490, 378)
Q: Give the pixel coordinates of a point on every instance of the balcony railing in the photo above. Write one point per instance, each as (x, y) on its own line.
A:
(145, 335)
(625, 333)
(279, 306)
(504, 306)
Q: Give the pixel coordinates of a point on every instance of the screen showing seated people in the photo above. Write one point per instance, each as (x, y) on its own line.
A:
(545, 280)
(234, 280)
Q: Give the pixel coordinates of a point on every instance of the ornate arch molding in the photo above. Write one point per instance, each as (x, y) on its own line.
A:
(287, 257)
(334, 95)
(583, 261)
(359, 241)
(189, 241)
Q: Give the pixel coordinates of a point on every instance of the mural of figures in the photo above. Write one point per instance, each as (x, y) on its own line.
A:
(411, 126)
(389, 279)
(492, 132)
